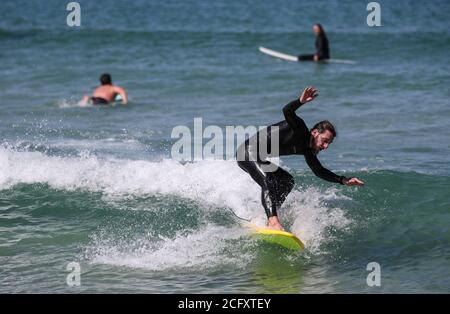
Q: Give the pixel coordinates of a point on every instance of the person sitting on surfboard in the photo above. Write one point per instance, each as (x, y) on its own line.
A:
(106, 93)
(294, 139)
(322, 47)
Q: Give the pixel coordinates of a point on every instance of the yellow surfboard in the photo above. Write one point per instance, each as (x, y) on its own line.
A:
(283, 238)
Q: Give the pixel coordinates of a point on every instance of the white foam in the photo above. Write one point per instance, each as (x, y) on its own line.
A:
(72, 103)
(200, 249)
(312, 218)
(97, 144)
(221, 184)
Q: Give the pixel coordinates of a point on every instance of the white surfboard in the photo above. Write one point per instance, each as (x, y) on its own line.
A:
(277, 54)
(292, 58)
(118, 98)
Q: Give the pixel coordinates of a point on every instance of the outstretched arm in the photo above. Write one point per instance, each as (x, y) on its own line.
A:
(292, 119)
(328, 175)
(321, 171)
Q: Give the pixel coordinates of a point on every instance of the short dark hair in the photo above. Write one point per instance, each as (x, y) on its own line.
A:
(323, 126)
(105, 79)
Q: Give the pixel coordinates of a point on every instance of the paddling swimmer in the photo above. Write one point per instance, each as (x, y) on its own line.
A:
(294, 139)
(322, 47)
(106, 93)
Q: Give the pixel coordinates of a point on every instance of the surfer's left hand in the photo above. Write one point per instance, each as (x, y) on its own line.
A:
(309, 93)
(353, 181)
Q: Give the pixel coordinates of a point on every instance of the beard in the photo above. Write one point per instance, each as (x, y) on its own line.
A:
(315, 150)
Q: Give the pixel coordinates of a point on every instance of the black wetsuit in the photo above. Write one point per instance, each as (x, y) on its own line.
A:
(322, 49)
(294, 139)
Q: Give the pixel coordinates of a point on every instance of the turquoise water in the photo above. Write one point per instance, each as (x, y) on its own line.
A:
(98, 186)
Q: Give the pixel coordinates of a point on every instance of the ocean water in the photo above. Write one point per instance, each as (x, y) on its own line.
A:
(98, 185)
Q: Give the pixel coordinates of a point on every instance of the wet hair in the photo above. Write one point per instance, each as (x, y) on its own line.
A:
(323, 126)
(105, 79)
(322, 31)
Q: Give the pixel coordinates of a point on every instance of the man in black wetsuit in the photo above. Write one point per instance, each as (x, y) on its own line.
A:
(294, 138)
(322, 47)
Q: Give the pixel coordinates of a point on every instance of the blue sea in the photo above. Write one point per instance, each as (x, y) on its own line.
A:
(99, 187)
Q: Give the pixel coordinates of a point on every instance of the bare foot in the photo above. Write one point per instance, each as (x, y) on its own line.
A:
(274, 223)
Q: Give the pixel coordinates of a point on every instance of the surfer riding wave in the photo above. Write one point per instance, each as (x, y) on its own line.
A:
(294, 139)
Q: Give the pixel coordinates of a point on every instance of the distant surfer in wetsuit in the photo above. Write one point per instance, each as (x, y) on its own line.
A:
(322, 47)
(106, 93)
(294, 138)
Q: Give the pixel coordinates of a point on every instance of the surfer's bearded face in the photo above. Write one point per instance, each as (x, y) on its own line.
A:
(320, 141)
